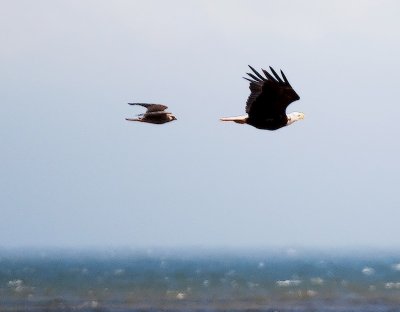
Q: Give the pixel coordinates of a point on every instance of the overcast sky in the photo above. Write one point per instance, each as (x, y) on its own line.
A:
(73, 172)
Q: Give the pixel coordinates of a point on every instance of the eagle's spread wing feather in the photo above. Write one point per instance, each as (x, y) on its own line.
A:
(151, 107)
(270, 95)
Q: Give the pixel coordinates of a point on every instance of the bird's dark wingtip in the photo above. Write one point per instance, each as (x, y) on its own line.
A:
(268, 75)
(284, 78)
(275, 74)
(261, 78)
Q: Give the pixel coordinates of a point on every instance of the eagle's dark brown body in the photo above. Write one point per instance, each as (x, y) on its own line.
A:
(267, 102)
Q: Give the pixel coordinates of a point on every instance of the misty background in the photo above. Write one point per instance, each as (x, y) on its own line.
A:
(74, 173)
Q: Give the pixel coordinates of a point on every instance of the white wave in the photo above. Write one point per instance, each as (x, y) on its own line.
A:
(317, 281)
(93, 304)
(288, 283)
(18, 286)
(252, 285)
(15, 283)
(311, 293)
(392, 285)
(180, 296)
(368, 271)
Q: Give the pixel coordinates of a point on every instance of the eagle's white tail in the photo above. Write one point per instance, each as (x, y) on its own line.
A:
(238, 119)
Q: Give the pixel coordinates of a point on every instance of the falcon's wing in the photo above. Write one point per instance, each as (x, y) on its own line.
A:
(155, 114)
(151, 107)
(270, 95)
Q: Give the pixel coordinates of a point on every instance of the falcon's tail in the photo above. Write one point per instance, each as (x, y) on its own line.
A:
(133, 119)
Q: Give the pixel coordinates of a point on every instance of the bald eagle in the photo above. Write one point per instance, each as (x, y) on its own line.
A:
(155, 114)
(268, 100)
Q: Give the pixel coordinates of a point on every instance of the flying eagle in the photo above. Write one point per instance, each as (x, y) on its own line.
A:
(268, 100)
(155, 114)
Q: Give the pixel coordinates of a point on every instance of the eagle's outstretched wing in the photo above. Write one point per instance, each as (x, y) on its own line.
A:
(151, 107)
(270, 95)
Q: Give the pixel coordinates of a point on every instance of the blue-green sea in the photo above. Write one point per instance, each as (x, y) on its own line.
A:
(199, 279)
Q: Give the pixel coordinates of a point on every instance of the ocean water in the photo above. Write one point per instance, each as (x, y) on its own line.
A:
(199, 280)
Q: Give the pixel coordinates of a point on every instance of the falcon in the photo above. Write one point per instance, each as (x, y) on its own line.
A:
(155, 114)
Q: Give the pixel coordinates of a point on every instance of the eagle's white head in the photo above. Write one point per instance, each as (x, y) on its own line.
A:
(292, 117)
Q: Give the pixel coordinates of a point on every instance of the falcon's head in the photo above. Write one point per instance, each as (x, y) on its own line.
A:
(171, 117)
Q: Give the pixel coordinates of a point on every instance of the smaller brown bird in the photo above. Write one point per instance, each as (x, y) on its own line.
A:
(155, 114)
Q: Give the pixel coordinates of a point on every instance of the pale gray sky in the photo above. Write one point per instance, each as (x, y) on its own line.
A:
(73, 172)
